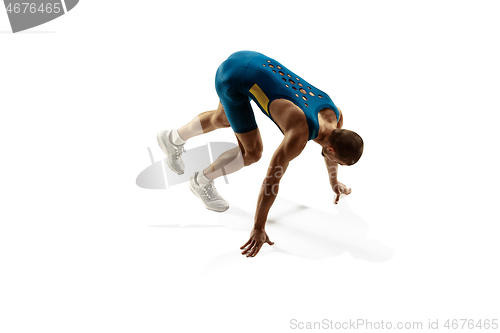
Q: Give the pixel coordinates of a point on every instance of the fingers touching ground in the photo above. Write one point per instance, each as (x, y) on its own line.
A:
(252, 247)
(342, 191)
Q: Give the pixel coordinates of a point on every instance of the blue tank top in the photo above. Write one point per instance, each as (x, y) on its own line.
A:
(269, 80)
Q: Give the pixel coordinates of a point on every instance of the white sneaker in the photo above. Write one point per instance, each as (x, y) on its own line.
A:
(208, 195)
(172, 151)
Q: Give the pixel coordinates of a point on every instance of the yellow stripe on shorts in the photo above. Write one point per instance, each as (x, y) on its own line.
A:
(261, 97)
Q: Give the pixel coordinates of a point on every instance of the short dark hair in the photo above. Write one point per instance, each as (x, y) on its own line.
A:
(347, 144)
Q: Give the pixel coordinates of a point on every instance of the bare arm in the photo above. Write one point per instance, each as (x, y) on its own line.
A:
(331, 166)
(291, 146)
(333, 170)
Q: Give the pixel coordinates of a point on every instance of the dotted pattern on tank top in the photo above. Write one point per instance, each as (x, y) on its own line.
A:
(289, 82)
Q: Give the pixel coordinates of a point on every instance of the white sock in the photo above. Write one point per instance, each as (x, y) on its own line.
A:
(202, 179)
(176, 139)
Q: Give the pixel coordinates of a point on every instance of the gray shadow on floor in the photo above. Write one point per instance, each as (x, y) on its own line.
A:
(311, 233)
(302, 231)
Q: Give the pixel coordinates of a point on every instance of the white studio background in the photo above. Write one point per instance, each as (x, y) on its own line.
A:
(84, 249)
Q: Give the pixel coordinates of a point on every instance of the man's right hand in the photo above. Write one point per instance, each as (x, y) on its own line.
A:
(257, 238)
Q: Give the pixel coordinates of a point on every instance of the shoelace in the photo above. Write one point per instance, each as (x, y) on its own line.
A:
(211, 189)
(179, 151)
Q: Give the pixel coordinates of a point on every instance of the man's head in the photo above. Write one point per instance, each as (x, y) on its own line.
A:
(344, 147)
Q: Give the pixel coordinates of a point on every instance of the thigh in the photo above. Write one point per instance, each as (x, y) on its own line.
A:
(239, 116)
(236, 105)
(220, 115)
(250, 142)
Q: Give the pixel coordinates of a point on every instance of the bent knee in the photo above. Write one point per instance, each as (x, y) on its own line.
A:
(220, 120)
(251, 157)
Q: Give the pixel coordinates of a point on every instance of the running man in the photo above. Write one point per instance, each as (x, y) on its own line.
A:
(301, 111)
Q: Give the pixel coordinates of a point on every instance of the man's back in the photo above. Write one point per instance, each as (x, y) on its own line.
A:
(288, 117)
(248, 74)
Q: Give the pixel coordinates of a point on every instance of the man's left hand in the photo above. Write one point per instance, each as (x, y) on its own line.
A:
(339, 189)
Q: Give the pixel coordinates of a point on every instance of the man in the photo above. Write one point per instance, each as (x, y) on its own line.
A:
(302, 113)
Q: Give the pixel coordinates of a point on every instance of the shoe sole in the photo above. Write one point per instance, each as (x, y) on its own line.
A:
(164, 148)
(212, 209)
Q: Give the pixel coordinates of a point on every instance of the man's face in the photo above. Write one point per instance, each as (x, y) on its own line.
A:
(330, 154)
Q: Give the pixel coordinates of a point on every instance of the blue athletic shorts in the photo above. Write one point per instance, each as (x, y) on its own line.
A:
(232, 81)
